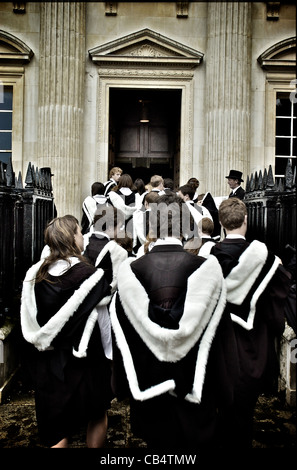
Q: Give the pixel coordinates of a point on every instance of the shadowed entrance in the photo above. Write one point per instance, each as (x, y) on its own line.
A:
(144, 132)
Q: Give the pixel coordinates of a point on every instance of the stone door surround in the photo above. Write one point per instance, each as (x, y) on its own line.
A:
(145, 59)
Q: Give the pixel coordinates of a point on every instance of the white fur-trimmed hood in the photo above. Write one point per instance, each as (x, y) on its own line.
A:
(118, 254)
(118, 202)
(41, 337)
(204, 305)
(243, 276)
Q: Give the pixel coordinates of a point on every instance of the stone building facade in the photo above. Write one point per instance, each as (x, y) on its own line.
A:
(215, 82)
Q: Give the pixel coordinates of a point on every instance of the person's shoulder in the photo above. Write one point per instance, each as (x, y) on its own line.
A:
(83, 269)
(240, 191)
(88, 199)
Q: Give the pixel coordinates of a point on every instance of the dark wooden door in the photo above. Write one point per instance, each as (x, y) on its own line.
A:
(145, 145)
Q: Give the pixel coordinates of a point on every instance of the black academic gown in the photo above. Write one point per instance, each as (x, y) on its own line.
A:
(255, 343)
(166, 419)
(69, 391)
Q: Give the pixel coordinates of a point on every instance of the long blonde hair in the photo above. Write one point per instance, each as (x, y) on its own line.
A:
(59, 236)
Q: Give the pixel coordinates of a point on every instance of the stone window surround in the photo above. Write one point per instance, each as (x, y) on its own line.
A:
(279, 65)
(14, 54)
(14, 78)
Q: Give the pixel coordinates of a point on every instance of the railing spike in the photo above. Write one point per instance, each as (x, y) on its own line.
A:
(270, 179)
(265, 177)
(256, 181)
(19, 181)
(247, 186)
(2, 175)
(29, 180)
(280, 185)
(289, 175)
(260, 181)
(252, 184)
(37, 181)
(9, 173)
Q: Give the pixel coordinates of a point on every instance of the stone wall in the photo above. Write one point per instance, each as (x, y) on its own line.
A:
(58, 91)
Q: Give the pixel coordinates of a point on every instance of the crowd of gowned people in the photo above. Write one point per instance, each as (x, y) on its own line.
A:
(157, 298)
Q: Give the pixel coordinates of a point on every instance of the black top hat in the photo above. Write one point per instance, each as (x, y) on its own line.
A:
(235, 175)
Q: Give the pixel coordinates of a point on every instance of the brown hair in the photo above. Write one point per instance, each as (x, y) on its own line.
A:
(150, 197)
(194, 182)
(166, 216)
(97, 188)
(156, 180)
(125, 181)
(187, 189)
(207, 225)
(231, 213)
(59, 236)
(114, 170)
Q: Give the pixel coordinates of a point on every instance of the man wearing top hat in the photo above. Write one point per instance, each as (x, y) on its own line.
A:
(234, 180)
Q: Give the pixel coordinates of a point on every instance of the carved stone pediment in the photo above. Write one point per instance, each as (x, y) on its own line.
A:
(13, 50)
(145, 48)
(280, 57)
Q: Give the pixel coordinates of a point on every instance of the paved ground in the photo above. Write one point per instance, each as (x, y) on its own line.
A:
(274, 427)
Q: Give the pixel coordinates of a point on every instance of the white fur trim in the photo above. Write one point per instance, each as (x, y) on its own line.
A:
(138, 228)
(198, 308)
(89, 208)
(168, 385)
(117, 254)
(203, 309)
(88, 330)
(242, 277)
(117, 201)
(205, 249)
(195, 213)
(42, 337)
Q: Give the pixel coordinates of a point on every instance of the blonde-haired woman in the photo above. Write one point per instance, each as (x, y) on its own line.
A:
(59, 317)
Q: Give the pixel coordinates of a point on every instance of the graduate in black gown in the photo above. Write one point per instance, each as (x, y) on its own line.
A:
(59, 319)
(172, 340)
(257, 288)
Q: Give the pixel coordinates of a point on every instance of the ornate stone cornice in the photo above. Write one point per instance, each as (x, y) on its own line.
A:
(145, 48)
(146, 73)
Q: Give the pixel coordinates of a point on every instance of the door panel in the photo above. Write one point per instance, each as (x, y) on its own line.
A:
(149, 145)
(158, 141)
(130, 142)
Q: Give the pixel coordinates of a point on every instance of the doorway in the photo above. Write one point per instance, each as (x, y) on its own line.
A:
(144, 132)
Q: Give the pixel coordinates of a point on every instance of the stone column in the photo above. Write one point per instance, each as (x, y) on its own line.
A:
(61, 91)
(228, 81)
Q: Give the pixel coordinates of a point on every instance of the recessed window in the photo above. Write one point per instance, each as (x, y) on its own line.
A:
(285, 133)
(6, 102)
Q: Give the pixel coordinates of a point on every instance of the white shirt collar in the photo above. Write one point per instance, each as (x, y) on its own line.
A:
(235, 235)
(168, 241)
(61, 266)
(101, 234)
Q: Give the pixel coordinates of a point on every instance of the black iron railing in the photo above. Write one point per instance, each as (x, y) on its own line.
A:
(271, 206)
(24, 214)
